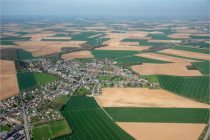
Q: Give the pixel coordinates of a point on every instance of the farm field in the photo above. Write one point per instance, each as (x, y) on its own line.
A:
(178, 69)
(28, 80)
(124, 56)
(8, 79)
(41, 48)
(199, 44)
(203, 67)
(51, 130)
(93, 121)
(159, 115)
(44, 78)
(192, 49)
(199, 37)
(10, 40)
(78, 54)
(195, 88)
(24, 55)
(138, 60)
(112, 53)
(186, 54)
(144, 97)
(143, 42)
(172, 131)
(164, 57)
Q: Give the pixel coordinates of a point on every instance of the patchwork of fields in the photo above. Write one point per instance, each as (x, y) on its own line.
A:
(89, 121)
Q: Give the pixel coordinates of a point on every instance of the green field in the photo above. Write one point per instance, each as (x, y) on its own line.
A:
(185, 48)
(196, 87)
(8, 43)
(138, 60)
(22, 33)
(112, 53)
(51, 130)
(44, 78)
(143, 42)
(199, 37)
(4, 128)
(24, 55)
(56, 39)
(89, 122)
(60, 35)
(82, 91)
(85, 35)
(164, 115)
(124, 56)
(29, 79)
(203, 67)
(10, 40)
(26, 80)
(15, 38)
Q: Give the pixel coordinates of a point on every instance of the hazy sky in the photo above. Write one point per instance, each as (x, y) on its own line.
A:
(106, 7)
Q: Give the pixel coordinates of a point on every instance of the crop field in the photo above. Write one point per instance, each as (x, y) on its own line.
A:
(143, 42)
(84, 36)
(48, 39)
(203, 67)
(190, 58)
(44, 78)
(192, 55)
(112, 53)
(164, 115)
(51, 130)
(29, 79)
(10, 40)
(199, 44)
(199, 37)
(196, 88)
(8, 79)
(185, 48)
(138, 60)
(124, 56)
(26, 80)
(24, 55)
(88, 121)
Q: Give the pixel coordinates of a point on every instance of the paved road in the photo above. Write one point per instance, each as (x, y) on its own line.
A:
(25, 122)
(207, 135)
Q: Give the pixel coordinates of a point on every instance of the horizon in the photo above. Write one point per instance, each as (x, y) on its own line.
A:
(117, 8)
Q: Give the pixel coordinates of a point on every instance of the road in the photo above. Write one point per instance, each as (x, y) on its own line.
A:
(25, 122)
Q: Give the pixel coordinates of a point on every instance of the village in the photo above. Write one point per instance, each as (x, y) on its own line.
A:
(73, 74)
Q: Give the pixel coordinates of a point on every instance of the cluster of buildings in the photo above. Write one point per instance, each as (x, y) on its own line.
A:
(73, 75)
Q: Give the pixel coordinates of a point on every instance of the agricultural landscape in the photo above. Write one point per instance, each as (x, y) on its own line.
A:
(104, 79)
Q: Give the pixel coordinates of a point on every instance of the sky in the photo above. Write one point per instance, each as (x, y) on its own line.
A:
(179, 8)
